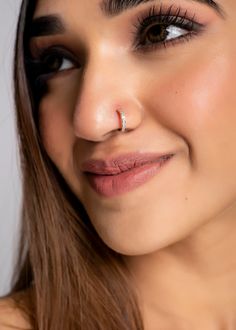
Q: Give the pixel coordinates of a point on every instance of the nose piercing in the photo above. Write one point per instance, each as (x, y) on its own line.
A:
(123, 121)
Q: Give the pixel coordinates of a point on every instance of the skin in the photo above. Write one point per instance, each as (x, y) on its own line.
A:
(179, 241)
(10, 315)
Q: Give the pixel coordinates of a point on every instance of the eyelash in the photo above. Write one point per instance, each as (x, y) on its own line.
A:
(159, 17)
(151, 18)
(36, 68)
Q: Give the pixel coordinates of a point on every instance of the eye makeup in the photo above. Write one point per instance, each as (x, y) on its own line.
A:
(156, 28)
(48, 62)
(152, 28)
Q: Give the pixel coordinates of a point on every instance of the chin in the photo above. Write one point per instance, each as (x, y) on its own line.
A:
(135, 242)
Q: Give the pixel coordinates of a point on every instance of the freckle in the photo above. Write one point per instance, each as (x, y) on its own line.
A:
(186, 198)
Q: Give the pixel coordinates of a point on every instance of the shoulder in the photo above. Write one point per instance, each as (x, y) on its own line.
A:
(11, 317)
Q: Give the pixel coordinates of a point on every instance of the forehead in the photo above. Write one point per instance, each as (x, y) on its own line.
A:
(108, 8)
(47, 7)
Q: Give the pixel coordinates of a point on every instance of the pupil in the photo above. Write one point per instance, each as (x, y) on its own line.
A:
(157, 33)
(53, 62)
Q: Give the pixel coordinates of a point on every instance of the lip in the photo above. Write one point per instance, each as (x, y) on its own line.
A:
(124, 173)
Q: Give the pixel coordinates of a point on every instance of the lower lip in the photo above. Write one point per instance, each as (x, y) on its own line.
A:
(113, 185)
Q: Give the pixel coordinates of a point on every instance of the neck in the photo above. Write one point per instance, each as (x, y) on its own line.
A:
(192, 282)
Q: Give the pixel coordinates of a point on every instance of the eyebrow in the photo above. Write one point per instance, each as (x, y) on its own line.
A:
(46, 25)
(53, 24)
(112, 8)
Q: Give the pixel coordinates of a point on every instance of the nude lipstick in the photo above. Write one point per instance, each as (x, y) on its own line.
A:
(119, 175)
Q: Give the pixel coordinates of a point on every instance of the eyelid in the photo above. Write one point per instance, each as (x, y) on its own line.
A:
(173, 13)
(164, 9)
(38, 53)
(37, 73)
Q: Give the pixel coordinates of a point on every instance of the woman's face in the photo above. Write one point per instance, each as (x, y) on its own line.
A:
(170, 66)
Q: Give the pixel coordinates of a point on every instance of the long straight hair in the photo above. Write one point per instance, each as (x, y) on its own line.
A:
(72, 279)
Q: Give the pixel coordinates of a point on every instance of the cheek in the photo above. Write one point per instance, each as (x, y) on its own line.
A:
(197, 101)
(55, 120)
(206, 98)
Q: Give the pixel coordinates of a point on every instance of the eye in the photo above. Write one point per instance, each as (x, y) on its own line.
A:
(157, 29)
(56, 62)
(161, 33)
(46, 65)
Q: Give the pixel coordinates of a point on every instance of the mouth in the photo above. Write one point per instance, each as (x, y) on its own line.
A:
(123, 174)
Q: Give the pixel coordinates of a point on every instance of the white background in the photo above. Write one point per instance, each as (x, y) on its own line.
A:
(10, 185)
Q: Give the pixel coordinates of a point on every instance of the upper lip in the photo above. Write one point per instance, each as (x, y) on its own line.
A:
(122, 163)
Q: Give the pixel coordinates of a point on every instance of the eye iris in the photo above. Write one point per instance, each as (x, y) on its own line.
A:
(52, 62)
(157, 33)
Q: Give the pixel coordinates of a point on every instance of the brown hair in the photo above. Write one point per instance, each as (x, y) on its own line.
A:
(74, 281)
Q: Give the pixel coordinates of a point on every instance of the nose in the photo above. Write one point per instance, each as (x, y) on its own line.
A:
(106, 90)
